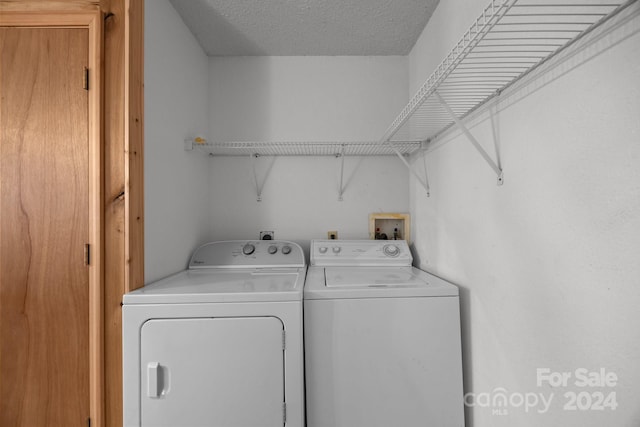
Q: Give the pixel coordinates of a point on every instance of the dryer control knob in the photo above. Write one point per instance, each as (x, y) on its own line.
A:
(273, 249)
(286, 249)
(322, 249)
(391, 250)
(336, 249)
(248, 249)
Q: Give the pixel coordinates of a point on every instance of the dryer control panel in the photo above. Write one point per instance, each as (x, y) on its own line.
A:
(358, 253)
(248, 254)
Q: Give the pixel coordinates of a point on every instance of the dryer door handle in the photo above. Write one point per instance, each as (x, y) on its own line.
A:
(153, 379)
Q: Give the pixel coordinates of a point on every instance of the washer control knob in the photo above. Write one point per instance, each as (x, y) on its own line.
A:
(248, 249)
(391, 250)
(273, 249)
(322, 249)
(336, 249)
(286, 249)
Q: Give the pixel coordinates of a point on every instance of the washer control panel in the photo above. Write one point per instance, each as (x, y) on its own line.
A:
(248, 253)
(360, 253)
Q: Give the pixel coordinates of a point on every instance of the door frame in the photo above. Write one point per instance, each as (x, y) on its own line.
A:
(92, 21)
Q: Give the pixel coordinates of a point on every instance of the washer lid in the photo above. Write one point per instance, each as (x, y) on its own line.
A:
(213, 285)
(381, 277)
(374, 282)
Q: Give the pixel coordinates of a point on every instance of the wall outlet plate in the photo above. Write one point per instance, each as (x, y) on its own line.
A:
(332, 235)
(266, 235)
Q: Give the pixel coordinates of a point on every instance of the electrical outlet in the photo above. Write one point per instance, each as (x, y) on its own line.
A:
(332, 235)
(266, 235)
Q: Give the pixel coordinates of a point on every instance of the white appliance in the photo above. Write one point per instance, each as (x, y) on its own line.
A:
(219, 344)
(382, 339)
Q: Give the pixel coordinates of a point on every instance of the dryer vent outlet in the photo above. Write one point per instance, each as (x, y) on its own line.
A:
(266, 235)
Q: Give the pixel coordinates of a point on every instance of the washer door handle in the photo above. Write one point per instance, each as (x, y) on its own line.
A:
(153, 379)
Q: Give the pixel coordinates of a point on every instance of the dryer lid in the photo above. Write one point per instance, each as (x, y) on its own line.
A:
(210, 286)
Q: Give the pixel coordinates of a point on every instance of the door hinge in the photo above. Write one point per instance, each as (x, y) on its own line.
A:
(284, 412)
(87, 254)
(284, 340)
(85, 79)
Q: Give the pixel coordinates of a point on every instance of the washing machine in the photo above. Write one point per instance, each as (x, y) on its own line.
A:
(219, 344)
(382, 339)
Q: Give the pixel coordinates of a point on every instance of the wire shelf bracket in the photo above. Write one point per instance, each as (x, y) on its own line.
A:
(260, 184)
(342, 187)
(493, 164)
(426, 176)
(423, 181)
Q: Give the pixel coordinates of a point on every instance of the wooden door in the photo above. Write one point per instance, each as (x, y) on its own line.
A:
(44, 226)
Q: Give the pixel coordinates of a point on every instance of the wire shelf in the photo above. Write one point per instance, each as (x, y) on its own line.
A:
(509, 39)
(308, 148)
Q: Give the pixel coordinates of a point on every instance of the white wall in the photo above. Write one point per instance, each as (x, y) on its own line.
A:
(305, 98)
(308, 99)
(300, 196)
(547, 263)
(176, 107)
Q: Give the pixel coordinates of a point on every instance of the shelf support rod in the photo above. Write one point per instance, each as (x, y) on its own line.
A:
(496, 168)
(255, 178)
(341, 190)
(426, 175)
(424, 182)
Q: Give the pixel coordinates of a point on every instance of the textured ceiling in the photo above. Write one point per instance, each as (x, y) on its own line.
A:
(305, 27)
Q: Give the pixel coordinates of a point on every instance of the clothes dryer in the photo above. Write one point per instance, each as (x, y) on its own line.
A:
(219, 344)
(382, 339)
